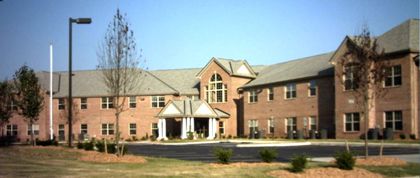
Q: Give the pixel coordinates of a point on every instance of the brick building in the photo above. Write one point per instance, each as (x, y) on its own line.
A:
(230, 97)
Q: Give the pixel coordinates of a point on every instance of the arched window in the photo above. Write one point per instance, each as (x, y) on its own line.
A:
(216, 91)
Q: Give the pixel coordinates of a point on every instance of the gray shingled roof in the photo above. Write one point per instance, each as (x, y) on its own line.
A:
(402, 37)
(183, 80)
(296, 69)
(89, 83)
(44, 80)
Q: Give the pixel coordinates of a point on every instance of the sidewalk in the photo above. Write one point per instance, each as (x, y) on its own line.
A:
(413, 158)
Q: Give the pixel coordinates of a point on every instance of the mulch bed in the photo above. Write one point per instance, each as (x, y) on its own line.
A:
(327, 172)
(92, 156)
(244, 164)
(378, 161)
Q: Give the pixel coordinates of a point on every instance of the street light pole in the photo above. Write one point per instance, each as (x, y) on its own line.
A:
(70, 99)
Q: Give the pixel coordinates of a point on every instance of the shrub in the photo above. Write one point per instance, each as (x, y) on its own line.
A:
(413, 136)
(299, 163)
(190, 135)
(268, 155)
(345, 160)
(79, 145)
(402, 136)
(88, 145)
(229, 136)
(46, 142)
(223, 154)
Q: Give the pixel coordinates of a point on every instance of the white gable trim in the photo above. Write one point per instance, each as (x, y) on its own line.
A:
(203, 109)
(243, 70)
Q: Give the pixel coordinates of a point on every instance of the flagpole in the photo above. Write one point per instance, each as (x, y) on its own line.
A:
(51, 92)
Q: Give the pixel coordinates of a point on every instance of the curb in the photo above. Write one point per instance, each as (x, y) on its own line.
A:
(274, 144)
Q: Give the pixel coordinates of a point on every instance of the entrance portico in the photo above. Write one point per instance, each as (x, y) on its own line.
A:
(190, 112)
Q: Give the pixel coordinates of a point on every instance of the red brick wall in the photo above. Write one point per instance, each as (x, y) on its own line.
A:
(321, 106)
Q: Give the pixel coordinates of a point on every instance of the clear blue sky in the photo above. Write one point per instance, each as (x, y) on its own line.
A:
(186, 34)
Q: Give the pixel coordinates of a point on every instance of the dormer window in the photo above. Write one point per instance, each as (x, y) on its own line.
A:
(216, 91)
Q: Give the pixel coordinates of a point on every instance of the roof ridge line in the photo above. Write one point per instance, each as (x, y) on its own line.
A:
(163, 82)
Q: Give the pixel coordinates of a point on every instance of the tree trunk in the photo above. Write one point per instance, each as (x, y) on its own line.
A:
(347, 146)
(32, 132)
(366, 115)
(381, 149)
(117, 132)
(106, 147)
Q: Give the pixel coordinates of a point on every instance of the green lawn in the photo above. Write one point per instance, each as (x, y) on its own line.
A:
(47, 162)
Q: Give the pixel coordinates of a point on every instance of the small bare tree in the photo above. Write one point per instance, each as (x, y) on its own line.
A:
(119, 63)
(365, 64)
(64, 114)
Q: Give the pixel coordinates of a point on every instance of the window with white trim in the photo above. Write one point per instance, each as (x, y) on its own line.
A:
(350, 82)
(155, 130)
(221, 127)
(11, 130)
(253, 125)
(352, 122)
(270, 94)
(158, 101)
(290, 91)
(13, 105)
(83, 103)
(35, 127)
(107, 129)
(270, 124)
(312, 88)
(252, 96)
(393, 77)
(312, 123)
(132, 102)
(394, 120)
(107, 103)
(61, 105)
(84, 129)
(291, 124)
(133, 128)
(216, 91)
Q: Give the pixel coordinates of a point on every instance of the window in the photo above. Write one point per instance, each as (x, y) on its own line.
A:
(107, 129)
(270, 94)
(312, 123)
(83, 129)
(158, 101)
(221, 127)
(290, 91)
(393, 119)
(83, 103)
(107, 103)
(12, 130)
(61, 105)
(13, 105)
(133, 128)
(349, 78)
(291, 124)
(312, 88)
(132, 103)
(253, 125)
(393, 77)
(35, 127)
(216, 90)
(352, 122)
(253, 96)
(61, 132)
(155, 130)
(270, 125)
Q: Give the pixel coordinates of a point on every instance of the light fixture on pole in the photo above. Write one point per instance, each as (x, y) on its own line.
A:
(70, 99)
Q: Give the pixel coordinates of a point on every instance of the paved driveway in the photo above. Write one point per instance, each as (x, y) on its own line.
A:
(204, 152)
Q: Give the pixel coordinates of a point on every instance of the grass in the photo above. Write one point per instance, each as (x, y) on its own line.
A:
(47, 162)
(412, 169)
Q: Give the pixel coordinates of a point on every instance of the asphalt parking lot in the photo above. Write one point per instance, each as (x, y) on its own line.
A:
(204, 152)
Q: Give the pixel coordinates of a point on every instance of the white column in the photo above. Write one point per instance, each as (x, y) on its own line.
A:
(192, 125)
(188, 125)
(214, 127)
(210, 129)
(159, 129)
(184, 129)
(164, 129)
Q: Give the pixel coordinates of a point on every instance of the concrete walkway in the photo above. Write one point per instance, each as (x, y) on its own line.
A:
(413, 158)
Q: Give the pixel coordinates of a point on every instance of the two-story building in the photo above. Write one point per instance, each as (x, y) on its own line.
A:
(230, 97)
